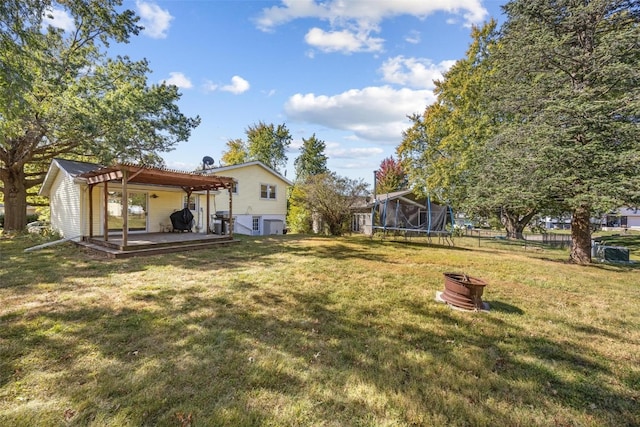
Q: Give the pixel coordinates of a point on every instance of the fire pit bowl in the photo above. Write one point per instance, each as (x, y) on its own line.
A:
(463, 291)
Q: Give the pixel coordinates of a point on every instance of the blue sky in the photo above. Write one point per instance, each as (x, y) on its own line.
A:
(348, 71)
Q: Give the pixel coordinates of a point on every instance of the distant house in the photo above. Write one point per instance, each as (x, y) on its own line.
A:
(259, 198)
(79, 205)
(623, 218)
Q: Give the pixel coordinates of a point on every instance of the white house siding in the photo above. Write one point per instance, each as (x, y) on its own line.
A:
(64, 202)
(633, 217)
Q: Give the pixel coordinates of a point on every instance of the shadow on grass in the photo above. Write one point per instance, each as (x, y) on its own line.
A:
(255, 356)
(503, 307)
(243, 354)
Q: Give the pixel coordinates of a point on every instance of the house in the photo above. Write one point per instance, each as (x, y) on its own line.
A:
(80, 206)
(259, 199)
(623, 218)
(87, 199)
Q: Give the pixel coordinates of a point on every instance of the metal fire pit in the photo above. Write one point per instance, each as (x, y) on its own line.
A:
(463, 291)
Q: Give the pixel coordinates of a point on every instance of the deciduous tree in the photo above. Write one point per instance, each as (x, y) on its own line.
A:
(390, 176)
(332, 198)
(268, 144)
(446, 153)
(236, 153)
(61, 95)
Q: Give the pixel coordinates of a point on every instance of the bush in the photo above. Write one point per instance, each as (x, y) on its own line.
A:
(30, 218)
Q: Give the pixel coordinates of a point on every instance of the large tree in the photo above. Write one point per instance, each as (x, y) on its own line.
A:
(332, 198)
(446, 152)
(312, 160)
(268, 143)
(567, 73)
(61, 95)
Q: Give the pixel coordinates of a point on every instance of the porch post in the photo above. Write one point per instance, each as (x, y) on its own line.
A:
(206, 218)
(91, 210)
(230, 211)
(105, 215)
(125, 208)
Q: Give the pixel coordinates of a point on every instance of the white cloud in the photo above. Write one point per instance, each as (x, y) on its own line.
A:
(413, 37)
(154, 19)
(413, 72)
(343, 41)
(238, 85)
(372, 113)
(336, 151)
(179, 79)
(289, 11)
(352, 22)
(58, 18)
(209, 86)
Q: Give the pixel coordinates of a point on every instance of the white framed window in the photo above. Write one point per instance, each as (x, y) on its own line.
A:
(234, 188)
(267, 191)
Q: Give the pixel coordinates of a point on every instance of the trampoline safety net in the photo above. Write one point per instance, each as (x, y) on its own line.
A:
(408, 215)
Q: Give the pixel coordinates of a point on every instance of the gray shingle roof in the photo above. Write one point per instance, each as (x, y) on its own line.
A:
(75, 168)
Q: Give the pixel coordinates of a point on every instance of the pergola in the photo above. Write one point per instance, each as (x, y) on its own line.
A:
(136, 174)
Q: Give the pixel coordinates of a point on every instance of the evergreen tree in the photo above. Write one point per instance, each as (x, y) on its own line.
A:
(312, 160)
(446, 153)
(567, 75)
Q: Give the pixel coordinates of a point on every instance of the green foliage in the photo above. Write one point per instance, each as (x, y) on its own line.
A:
(540, 117)
(566, 75)
(62, 96)
(439, 149)
(299, 219)
(312, 160)
(390, 176)
(332, 198)
(268, 144)
(236, 153)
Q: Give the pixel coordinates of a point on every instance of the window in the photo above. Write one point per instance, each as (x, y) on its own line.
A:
(234, 188)
(190, 203)
(137, 211)
(268, 191)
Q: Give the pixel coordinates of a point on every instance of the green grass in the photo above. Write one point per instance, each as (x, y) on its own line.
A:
(297, 331)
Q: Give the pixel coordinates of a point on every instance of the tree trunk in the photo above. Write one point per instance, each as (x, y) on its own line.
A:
(15, 200)
(514, 224)
(581, 236)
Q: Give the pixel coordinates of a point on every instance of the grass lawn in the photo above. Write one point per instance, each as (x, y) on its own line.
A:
(313, 331)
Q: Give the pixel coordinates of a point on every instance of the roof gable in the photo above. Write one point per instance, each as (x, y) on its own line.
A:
(71, 168)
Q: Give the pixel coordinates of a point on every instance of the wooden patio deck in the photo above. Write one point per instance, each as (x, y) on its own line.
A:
(153, 243)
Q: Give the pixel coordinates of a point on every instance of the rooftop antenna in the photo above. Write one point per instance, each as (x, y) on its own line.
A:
(207, 161)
